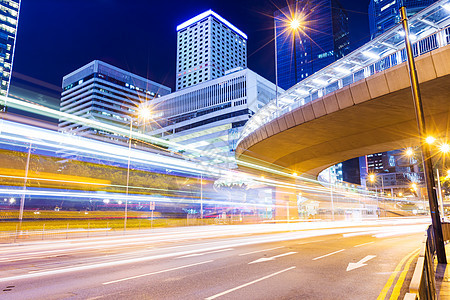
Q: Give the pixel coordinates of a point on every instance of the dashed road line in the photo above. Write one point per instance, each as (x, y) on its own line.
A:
(157, 272)
(258, 251)
(248, 283)
(329, 254)
(360, 245)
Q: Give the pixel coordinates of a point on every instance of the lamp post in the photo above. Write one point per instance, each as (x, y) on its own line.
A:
(201, 197)
(294, 24)
(426, 153)
(372, 179)
(145, 114)
(22, 198)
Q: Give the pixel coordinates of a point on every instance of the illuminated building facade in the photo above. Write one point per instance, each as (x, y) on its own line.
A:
(9, 18)
(105, 93)
(207, 47)
(322, 39)
(384, 14)
(210, 115)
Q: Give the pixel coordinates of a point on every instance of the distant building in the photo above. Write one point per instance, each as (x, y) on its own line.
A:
(207, 47)
(210, 115)
(394, 171)
(323, 39)
(9, 18)
(105, 93)
(384, 14)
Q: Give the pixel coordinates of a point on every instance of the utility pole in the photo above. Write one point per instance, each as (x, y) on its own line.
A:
(426, 151)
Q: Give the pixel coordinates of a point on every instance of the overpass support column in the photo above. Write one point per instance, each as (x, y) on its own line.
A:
(286, 203)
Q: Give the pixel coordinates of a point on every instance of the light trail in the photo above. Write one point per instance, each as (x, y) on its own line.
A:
(22, 105)
(47, 139)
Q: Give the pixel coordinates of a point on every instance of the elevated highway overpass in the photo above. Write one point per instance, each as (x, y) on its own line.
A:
(359, 105)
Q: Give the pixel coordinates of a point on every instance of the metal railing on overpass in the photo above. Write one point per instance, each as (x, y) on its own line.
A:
(423, 282)
(430, 30)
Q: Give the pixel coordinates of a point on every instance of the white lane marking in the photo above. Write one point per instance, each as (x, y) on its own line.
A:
(361, 263)
(258, 251)
(352, 234)
(204, 253)
(249, 283)
(303, 243)
(360, 245)
(264, 259)
(328, 254)
(157, 272)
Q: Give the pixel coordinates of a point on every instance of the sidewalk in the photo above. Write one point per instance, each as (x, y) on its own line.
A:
(443, 277)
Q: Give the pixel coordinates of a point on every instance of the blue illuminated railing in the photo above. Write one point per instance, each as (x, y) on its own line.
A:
(429, 29)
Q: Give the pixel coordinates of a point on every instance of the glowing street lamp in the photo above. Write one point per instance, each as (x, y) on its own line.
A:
(295, 24)
(409, 152)
(444, 148)
(426, 155)
(430, 140)
(144, 113)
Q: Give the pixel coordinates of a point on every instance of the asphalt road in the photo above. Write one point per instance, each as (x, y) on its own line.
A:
(271, 261)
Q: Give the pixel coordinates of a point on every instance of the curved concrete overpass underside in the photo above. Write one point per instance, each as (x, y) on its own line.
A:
(373, 115)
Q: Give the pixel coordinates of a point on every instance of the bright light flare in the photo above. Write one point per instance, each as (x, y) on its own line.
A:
(145, 113)
(372, 177)
(430, 140)
(444, 148)
(414, 186)
(409, 152)
(295, 24)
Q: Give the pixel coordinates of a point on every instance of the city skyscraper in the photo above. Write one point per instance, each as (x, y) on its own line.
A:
(9, 18)
(207, 47)
(105, 93)
(211, 115)
(384, 14)
(321, 39)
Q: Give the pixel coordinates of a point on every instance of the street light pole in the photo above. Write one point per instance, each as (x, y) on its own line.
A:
(201, 197)
(22, 199)
(441, 200)
(426, 153)
(128, 176)
(276, 64)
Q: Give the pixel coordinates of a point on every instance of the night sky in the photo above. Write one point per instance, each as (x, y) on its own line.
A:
(55, 37)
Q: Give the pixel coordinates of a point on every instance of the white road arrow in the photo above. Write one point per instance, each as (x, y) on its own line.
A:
(361, 263)
(264, 259)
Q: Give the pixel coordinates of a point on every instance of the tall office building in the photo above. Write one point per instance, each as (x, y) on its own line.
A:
(322, 39)
(384, 14)
(9, 18)
(210, 116)
(105, 93)
(207, 47)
